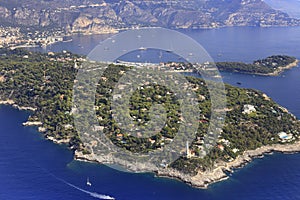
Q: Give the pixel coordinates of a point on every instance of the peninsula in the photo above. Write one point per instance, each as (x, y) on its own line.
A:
(270, 66)
(43, 83)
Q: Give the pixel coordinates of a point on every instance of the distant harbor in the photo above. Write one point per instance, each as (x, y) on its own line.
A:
(249, 183)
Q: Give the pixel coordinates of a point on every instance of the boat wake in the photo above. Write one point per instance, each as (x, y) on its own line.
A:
(93, 194)
(101, 196)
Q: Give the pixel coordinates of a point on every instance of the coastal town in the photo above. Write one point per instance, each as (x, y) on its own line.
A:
(16, 38)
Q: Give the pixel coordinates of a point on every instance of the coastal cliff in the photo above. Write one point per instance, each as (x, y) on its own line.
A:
(29, 23)
(203, 179)
(108, 16)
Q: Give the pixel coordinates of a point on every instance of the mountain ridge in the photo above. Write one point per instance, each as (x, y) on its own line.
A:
(96, 16)
(292, 7)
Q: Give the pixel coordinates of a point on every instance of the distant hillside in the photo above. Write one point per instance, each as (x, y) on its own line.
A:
(108, 15)
(292, 7)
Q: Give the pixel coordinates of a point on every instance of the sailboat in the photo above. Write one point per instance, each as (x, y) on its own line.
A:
(88, 183)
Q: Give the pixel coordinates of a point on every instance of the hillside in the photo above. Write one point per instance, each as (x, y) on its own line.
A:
(96, 16)
(272, 65)
(43, 83)
(292, 7)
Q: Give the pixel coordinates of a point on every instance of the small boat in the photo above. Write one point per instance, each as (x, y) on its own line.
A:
(239, 83)
(88, 183)
(142, 49)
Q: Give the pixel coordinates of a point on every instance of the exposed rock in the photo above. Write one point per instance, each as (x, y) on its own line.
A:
(7, 102)
(32, 123)
(42, 129)
(107, 16)
(202, 179)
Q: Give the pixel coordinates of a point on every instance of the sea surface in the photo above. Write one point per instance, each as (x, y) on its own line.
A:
(32, 168)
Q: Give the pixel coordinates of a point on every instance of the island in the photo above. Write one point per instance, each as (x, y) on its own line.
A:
(43, 83)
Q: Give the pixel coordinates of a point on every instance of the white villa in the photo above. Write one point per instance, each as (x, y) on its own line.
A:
(248, 109)
(284, 136)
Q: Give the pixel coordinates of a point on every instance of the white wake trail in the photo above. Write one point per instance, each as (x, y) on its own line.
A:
(93, 194)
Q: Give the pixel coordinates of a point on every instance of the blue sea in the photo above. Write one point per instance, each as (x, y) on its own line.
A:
(32, 168)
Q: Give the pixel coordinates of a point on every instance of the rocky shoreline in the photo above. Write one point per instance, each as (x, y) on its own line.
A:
(281, 69)
(201, 180)
(219, 173)
(278, 71)
(13, 104)
(204, 179)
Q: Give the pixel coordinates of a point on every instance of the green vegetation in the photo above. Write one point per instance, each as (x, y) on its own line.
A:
(46, 82)
(265, 66)
(42, 82)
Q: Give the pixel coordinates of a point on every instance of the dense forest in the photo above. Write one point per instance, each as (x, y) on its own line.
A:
(45, 82)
